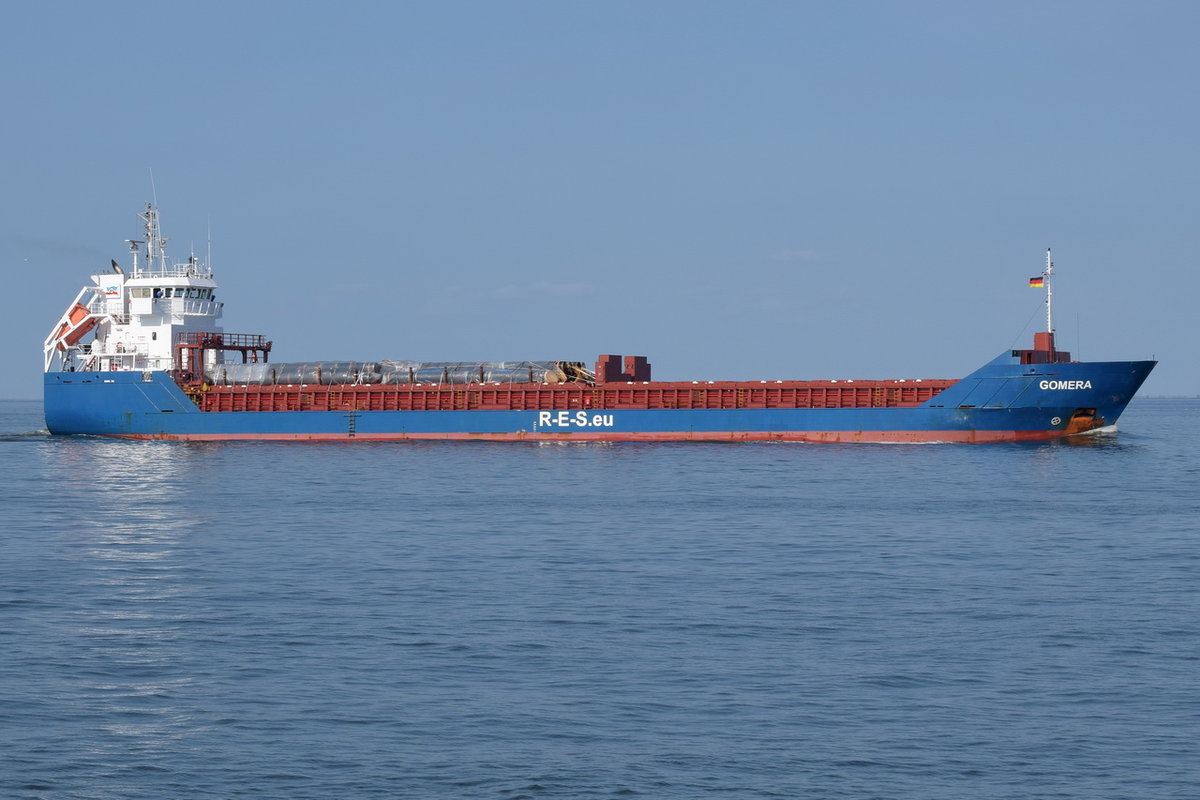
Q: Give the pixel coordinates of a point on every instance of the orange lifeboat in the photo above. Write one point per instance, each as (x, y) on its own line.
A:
(76, 326)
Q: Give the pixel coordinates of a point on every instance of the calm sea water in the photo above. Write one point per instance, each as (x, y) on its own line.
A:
(507, 621)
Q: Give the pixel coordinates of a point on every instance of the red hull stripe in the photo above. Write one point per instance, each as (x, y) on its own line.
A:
(971, 436)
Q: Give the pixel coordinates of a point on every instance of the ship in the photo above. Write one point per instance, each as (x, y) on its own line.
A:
(140, 354)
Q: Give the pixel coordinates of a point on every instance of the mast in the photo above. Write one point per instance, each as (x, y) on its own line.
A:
(1047, 275)
(156, 245)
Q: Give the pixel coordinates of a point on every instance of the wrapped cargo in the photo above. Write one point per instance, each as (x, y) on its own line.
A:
(397, 371)
(319, 372)
(259, 374)
(464, 372)
(369, 372)
(454, 373)
(328, 372)
(296, 373)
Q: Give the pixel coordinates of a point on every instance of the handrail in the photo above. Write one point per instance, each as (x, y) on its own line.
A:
(175, 271)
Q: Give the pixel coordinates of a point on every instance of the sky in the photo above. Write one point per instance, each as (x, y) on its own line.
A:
(737, 190)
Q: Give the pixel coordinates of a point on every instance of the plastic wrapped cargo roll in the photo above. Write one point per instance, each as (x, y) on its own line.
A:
(398, 371)
(468, 372)
(296, 373)
(368, 372)
(260, 374)
(325, 372)
(331, 372)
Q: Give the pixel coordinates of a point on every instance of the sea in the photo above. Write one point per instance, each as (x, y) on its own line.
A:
(519, 621)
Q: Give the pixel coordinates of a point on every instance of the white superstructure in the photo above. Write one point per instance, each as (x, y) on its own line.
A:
(135, 316)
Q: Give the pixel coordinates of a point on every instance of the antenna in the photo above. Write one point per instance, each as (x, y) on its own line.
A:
(208, 256)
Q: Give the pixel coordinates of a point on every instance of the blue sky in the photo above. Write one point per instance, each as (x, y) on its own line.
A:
(736, 190)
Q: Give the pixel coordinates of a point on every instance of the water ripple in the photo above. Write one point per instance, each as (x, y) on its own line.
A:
(285, 621)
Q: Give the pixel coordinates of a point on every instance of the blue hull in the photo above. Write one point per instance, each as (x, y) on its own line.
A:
(1004, 400)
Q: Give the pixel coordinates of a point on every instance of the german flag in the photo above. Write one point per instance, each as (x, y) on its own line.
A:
(1037, 282)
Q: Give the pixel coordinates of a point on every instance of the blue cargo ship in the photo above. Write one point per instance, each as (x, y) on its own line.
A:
(140, 354)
